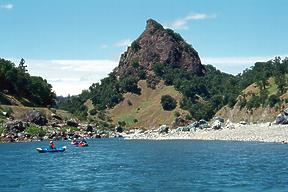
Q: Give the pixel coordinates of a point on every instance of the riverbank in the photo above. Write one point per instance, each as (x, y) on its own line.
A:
(235, 132)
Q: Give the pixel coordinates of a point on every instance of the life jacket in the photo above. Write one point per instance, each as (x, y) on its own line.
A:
(52, 146)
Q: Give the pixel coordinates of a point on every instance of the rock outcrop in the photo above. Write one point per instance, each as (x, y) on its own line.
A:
(36, 117)
(159, 45)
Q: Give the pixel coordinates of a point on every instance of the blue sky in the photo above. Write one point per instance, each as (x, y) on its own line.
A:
(73, 43)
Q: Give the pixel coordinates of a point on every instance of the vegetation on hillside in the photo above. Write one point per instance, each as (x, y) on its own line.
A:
(16, 81)
(271, 80)
(203, 95)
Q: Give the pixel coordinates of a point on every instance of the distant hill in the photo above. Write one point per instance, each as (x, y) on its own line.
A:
(159, 45)
(18, 87)
(265, 95)
(158, 64)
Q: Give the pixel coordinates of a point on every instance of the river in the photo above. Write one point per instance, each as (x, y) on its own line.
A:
(133, 165)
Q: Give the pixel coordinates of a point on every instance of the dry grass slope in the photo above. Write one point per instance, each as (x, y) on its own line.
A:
(145, 110)
(258, 115)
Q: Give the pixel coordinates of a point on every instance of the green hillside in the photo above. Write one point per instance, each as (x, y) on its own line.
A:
(18, 87)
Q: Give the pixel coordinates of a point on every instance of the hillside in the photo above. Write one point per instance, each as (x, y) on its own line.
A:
(161, 55)
(145, 110)
(263, 113)
(18, 87)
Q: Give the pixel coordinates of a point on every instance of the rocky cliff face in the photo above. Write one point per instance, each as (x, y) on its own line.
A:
(159, 45)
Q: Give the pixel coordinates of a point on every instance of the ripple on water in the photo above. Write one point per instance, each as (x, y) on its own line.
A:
(127, 165)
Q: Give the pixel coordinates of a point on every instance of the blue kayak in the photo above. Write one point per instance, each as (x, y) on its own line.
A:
(48, 150)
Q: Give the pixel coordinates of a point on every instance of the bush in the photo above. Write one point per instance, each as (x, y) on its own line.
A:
(129, 102)
(129, 84)
(168, 103)
(122, 123)
(135, 64)
(177, 114)
(254, 102)
(242, 102)
(135, 46)
(35, 130)
(273, 100)
(152, 81)
(93, 111)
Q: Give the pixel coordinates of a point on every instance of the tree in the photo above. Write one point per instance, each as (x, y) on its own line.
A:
(22, 66)
(281, 82)
(273, 100)
(168, 103)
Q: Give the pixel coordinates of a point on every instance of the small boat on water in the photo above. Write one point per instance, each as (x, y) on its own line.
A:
(83, 144)
(74, 142)
(48, 150)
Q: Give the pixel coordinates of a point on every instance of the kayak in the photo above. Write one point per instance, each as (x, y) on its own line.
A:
(48, 150)
(74, 143)
(83, 145)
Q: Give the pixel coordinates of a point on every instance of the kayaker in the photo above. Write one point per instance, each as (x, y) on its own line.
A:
(52, 145)
(74, 142)
(83, 141)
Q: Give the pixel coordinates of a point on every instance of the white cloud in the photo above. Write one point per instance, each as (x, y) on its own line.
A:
(7, 6)
(70, 76)
(182, 22)
(235, 65)
(123, 43)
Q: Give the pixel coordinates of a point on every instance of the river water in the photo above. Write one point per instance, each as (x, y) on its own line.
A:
(127, 165)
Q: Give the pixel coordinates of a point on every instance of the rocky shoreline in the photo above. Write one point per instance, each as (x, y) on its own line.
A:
(35, 127)
(265, 132)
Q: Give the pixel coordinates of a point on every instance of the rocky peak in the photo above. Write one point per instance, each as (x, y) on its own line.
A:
(152, 25)
(159, 45)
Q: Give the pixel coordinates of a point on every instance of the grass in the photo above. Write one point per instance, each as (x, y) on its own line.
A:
(35, 130)
(146, 108)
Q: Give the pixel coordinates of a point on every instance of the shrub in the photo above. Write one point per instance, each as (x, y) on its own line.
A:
(129, 84)
(152, 81)
(242, 102)
(135, 64)
(35, 130)
(129, 102)
(168, 103)
(135, 46)
(273, 100)
(176, 114)
(254, 102)
(122, 123)
(93, 111)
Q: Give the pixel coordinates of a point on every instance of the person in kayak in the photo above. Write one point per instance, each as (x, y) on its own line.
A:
(74, 142)
(52, 145)
(83, 142)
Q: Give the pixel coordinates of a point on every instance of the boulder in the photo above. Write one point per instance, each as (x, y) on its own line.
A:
(218, 118)
(285, 111)
(56, 117)
(72, 123)
(181, 129)
(15, 126)
(163, 129)
(36, 117)
(203, 124)
(243, 122)
(89, 128)
(217, 124)
(281, 119)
